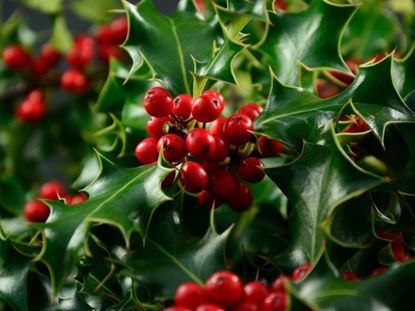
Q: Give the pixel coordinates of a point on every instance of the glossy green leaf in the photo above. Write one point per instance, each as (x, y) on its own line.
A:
(402, 70)
(379, 109)
(11, 195)
(95, 11)
(325, 290)
(14, 269)
(124, 198)
(120, 86)
(172, 256)
(311, 37)
(315, 183)
(372, 30)
(169, 48)
(293, 115)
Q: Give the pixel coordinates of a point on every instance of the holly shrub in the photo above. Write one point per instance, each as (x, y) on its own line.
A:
(235, 155)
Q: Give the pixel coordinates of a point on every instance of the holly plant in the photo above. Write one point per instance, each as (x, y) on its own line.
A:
(254, 155)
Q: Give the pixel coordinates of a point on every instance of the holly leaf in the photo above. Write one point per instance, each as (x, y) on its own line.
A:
(402, 70)
(12, 197)
(124, 198)
(325, 290)
(315, 183)
(172, 256)
(95, 11)
(61, 36)
(293, 115)
(14, 269)
(371, 30)
(48, 7)
(376, 100)
(121, 86)
(168, 46)
(311, 37)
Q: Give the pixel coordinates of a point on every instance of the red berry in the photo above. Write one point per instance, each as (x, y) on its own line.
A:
(398, 250)
(224, 184)
(193, 177)
(75, 81)
(247, 305)
(106, 51)
(237, 129)
(155, 126)
(269, 147)
(36, 95)
(215, 95)
(207, 199)
(190, 295)
(357, 126)
(119, 29)
(389, 235)
(243, 199)
(252, 110)
(275, 302)
(182, 106)
(146, 151)
(84, 40)
(251, 169)
(15, 57)
(31, 111)
(207, 108)
(216, 127)
(39, 67)
(50, 54)
(326, 89)
(378, 271)
(209, 307)
(278, 285)
(52, 190)
(256, 292)
(224, 288)
(345, 77)
(221, 151)
(36, 211)
(104, 35)
(76, 199)
(168, 180)
(200, 143)
(158, 102)
(174, 147)
(80, 56)
(301, 271)
(350, 276)
(281, 5)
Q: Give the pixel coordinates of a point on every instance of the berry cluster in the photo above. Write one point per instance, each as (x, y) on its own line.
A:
(210, 158)
(38, 211)
(225, 291)
(75, 79)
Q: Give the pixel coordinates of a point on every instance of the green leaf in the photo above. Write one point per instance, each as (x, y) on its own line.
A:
(14, 268)
(121, 86)
(12, 196)
(402, 70)
(169, 47)
(315, 183)
(172, 256)
(379, 109)
(45, 6)
(311, 37)
(372, 30)
(61, 36)
(124, 198)
(95, 11)
(293, 115)
(324, 290)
